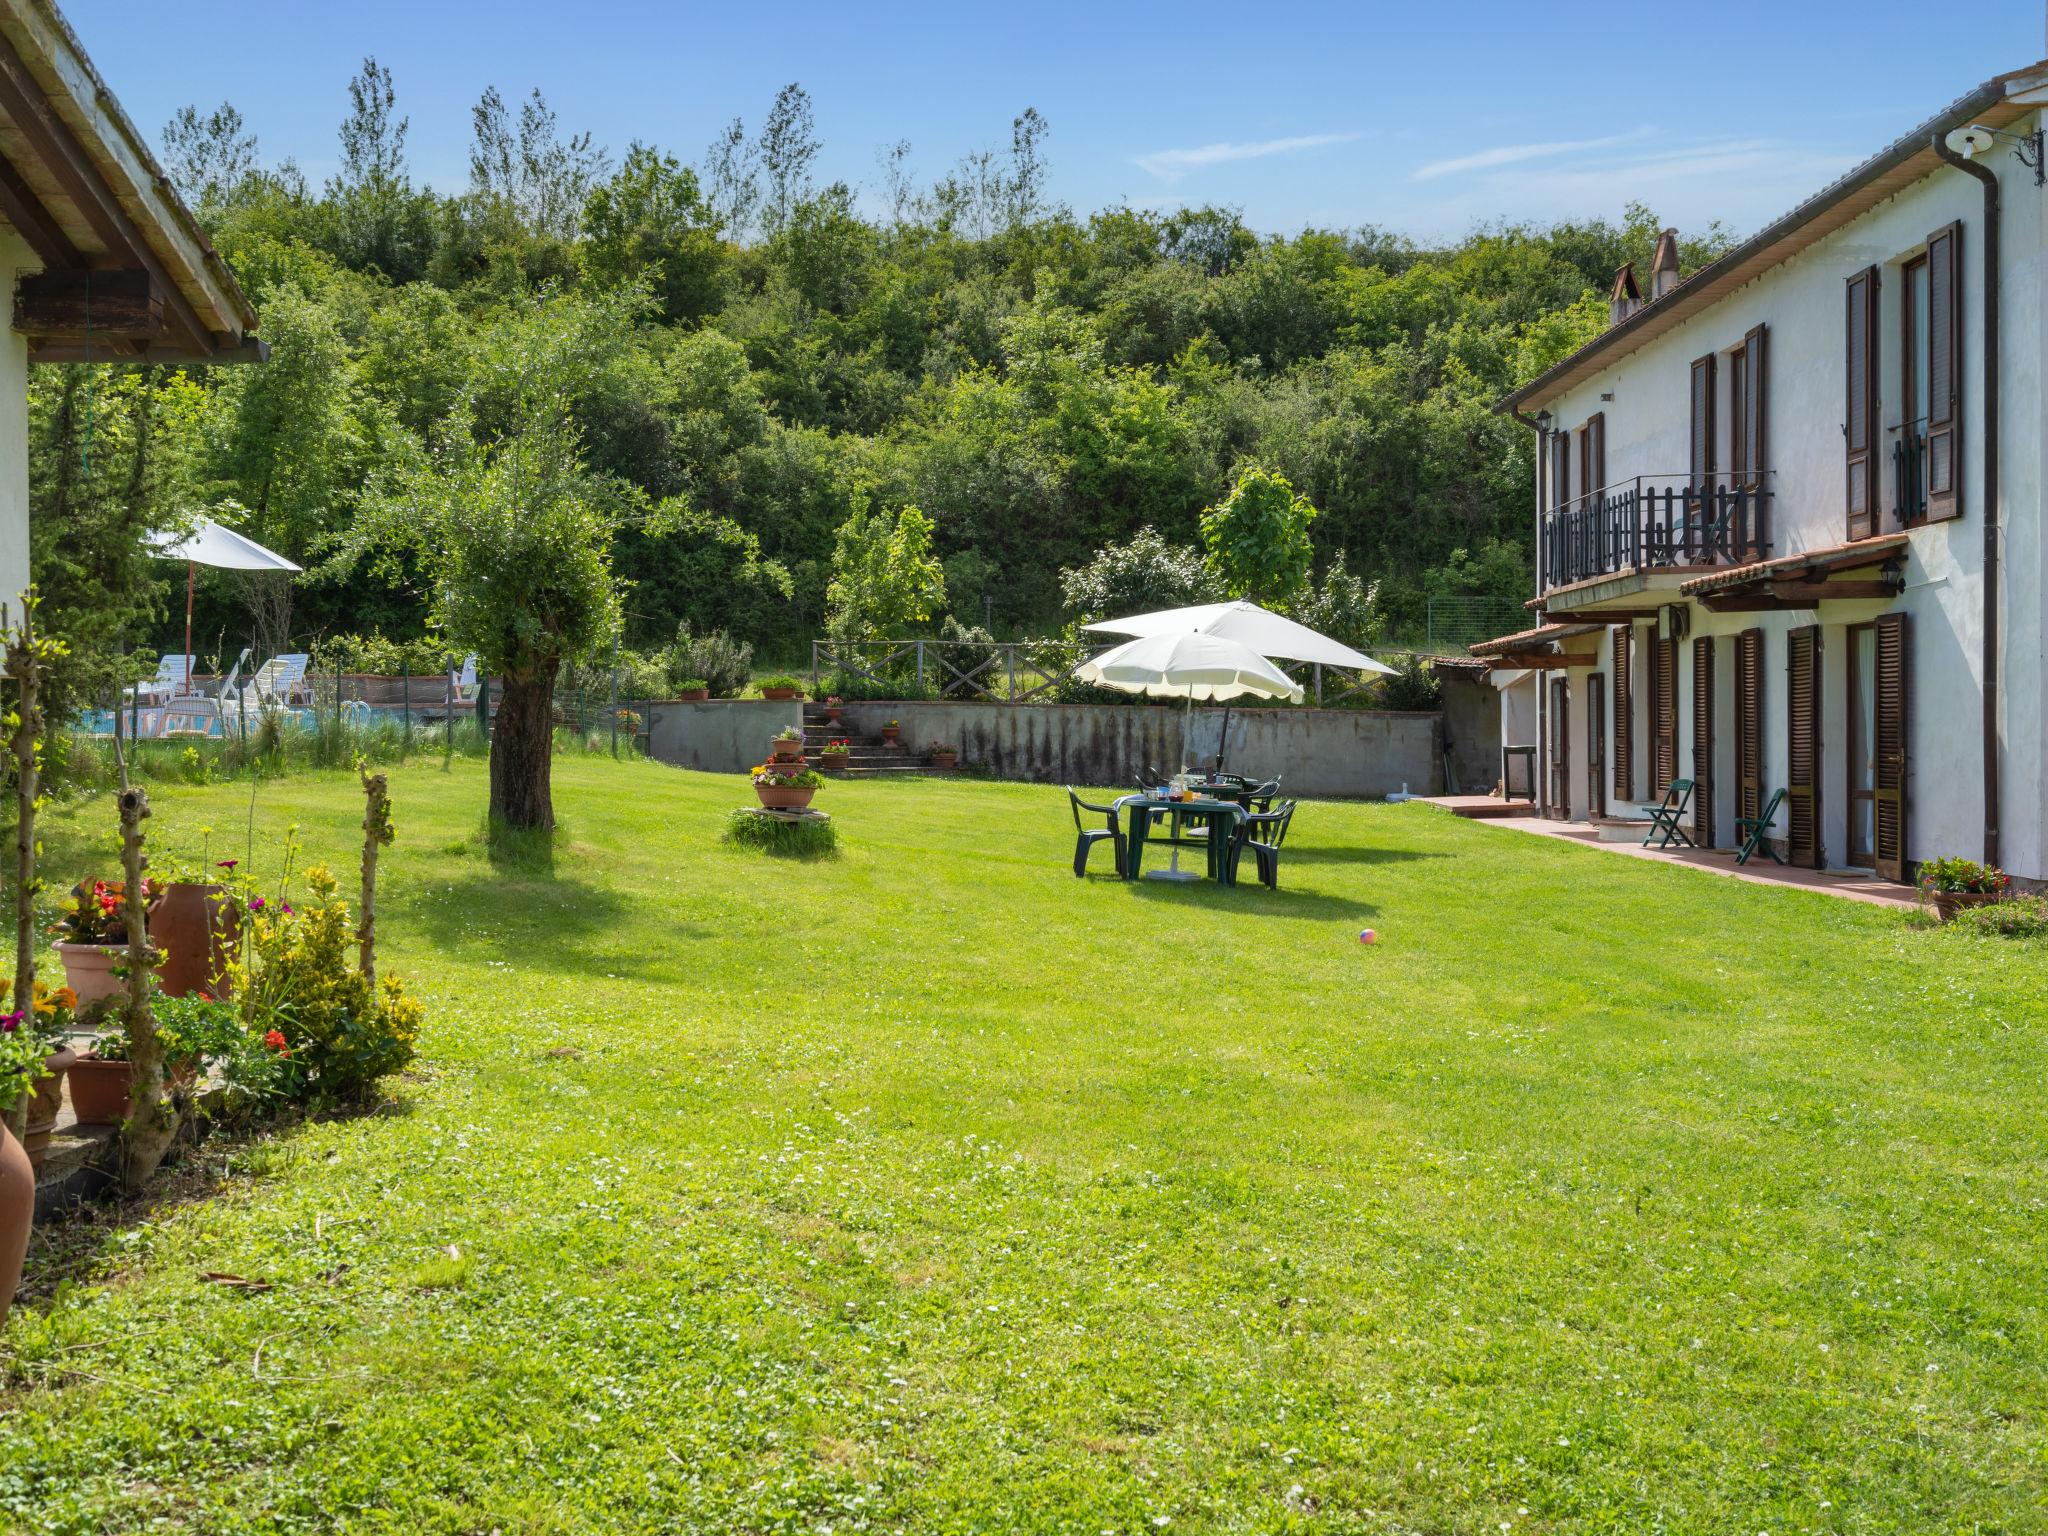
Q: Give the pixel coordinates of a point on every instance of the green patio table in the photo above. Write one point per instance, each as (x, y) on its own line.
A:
(1141, 810)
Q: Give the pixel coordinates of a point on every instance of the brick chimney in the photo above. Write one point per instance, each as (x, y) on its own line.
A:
(1664, 268)
(1627, 297)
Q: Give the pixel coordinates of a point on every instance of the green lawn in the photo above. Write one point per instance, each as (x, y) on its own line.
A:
(930, 1189)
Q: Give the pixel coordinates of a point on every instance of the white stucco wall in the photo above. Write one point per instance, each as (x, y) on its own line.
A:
(15, 258)
(1646, 400)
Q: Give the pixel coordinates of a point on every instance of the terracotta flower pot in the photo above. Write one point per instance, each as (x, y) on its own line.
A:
(782, 693)
(694, 695)
(890, 733)
(196, 926)
(945, 759)
(786, 749)
(833, 712)
(45, 1104)
(834, 762)
(100, 1089)
(89, 970)
(1948, 903)
(784, 797)
(17, 1214)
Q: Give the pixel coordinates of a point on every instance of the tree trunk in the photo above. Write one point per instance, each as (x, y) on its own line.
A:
(152, 1116)
(522, 751)
(376, 833)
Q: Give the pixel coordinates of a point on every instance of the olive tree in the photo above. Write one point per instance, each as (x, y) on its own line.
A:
(514, 531)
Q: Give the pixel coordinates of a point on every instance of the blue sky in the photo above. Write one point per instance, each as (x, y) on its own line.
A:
(1424, 118)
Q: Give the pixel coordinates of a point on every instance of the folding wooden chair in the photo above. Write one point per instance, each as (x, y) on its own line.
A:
(1755, 830)
(1665, 817)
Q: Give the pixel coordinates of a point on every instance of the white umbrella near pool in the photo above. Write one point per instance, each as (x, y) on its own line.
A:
(1188, 666)
(209, 543)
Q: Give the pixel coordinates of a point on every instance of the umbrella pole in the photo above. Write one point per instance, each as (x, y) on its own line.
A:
(1223, 737)
(191, 574)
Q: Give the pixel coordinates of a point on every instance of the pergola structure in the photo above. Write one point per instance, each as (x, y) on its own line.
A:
(107, 263)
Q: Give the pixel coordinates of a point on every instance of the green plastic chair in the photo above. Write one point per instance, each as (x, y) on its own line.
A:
(1086, 837)
(1664, 817)
(1754, 830)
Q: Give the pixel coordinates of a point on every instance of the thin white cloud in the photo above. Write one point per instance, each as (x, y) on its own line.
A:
(1172, 164)
(1515, 154)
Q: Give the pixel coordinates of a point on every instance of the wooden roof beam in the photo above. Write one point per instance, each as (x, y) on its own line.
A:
(21, 98)
(25, 211)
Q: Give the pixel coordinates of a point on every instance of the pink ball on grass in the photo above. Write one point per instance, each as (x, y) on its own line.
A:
(1367, 936)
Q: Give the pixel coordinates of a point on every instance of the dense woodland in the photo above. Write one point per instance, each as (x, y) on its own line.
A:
(761, 373)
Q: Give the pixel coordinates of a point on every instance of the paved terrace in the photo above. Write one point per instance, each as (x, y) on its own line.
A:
(1856, 886)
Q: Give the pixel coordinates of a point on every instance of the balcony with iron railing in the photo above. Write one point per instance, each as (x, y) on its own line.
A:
(1657, 522)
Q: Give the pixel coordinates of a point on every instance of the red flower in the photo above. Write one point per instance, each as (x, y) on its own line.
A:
(276, 1041)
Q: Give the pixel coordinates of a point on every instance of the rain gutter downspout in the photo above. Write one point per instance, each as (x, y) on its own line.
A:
(1991, 507)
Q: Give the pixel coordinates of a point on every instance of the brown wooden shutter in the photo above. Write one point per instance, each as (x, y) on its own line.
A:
(1593, 468)
(1560, 470)
(1596, 746)
(1749, 723)
(1944, 374)
(1753, 347)
(1888, 735)
(1859, 419)
(1663, 714)
(1703, 740)
(1703, 421)
(1802, 738)
(1624, 715)
(1560, 749)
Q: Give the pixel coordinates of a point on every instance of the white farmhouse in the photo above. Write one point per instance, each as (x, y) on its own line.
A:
(1789, 521)
(106, 263)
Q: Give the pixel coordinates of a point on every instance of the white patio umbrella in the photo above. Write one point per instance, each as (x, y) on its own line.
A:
(209, 543)
(1268, 633)
(1189, 666)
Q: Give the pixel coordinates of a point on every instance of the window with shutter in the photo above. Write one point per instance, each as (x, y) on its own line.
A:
(1944, 380)
(1802, 743)
(1888, 738)
(1749, 723)
(1703, 740)
(1624, 715)
(1859, 420)
(1593, 462)
(1702, 420)
(1596, 746)
(1663, 714)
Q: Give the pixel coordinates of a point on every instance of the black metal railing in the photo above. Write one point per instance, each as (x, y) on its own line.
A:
(1909, 472)
(1657, 522)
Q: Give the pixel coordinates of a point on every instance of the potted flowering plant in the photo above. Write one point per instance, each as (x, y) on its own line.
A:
(835, 755)
(891, 731)
(694, 690)
(197, 923)
(781, 687)
(782, 787)
(191, 1027)
(787, 745)
(1952, 884)
(835, 706)
(942, 755)
(48, 1025)
(92, 937)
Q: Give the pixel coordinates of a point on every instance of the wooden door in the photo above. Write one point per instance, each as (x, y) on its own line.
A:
(1803, 746)
(1889, 738)
(1560, 749)
(1596, 746)
(1749, 723)
(1703, 741)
